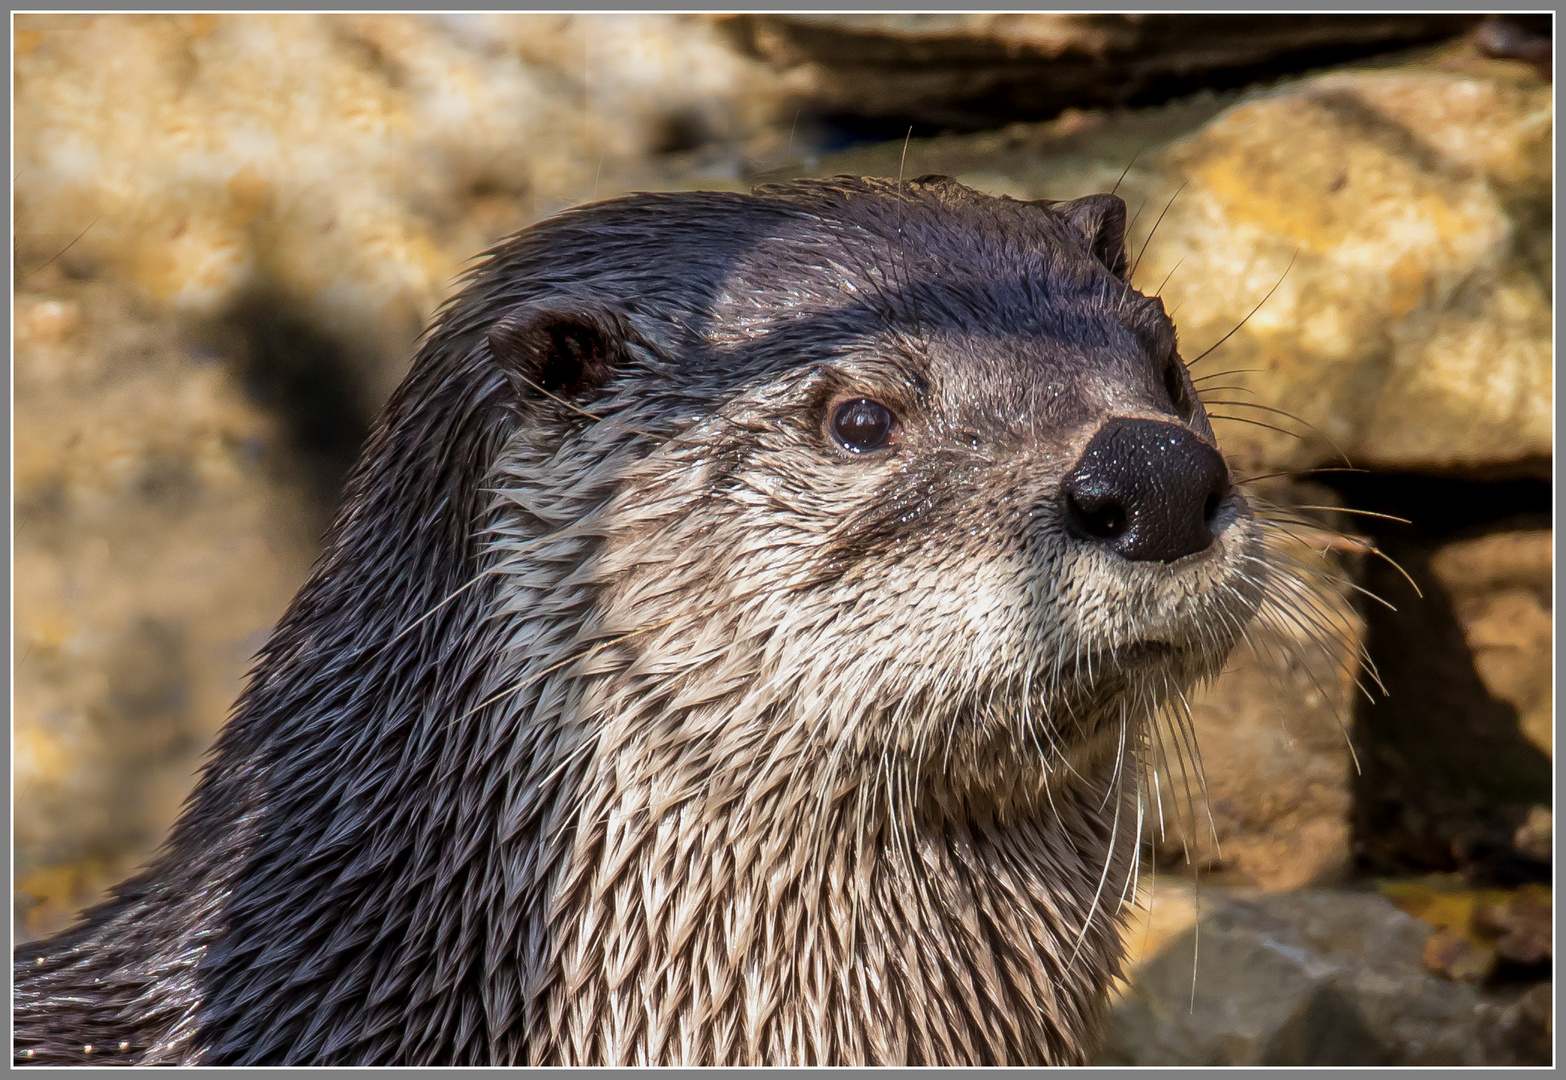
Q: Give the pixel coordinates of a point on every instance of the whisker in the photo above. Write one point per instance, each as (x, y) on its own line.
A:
(474, 580)
(1362, 546)
(1309, 621)
(1152, 877)
(1353, 510)
(1196, 933)
(578, 409)
(1158, 754)
(1177, 730)
(1125, 287)
(1254, 310)
(1126, 171)
(1368, 594)
(1291, 416)
(1187, 729)
(1278, 617)
(1300, 472)
(1257, 423)
(1132, 224)
(1160, 290)
(1231, 371)
(1128, 889)
(1103, 878)
(1154, 231)
(67, 247)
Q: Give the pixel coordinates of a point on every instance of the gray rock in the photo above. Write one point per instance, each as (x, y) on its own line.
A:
(1312, 978)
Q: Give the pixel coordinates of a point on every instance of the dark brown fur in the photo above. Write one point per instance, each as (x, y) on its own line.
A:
(627, 719)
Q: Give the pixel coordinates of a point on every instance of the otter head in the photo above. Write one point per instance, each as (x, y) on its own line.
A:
(845, 520)
(923, 499)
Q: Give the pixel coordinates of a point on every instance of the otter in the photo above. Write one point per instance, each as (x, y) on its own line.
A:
(741, 641)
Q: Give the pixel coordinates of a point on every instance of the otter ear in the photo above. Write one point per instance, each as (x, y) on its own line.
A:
(568, 353)
(1101, 221)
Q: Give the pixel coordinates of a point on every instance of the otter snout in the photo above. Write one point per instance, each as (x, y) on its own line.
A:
(1146, 489)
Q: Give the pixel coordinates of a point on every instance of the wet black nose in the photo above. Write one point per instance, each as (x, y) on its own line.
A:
(1147, 489)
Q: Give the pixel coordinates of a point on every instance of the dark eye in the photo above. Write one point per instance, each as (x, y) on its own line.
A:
(862, 425)
(1175, 386)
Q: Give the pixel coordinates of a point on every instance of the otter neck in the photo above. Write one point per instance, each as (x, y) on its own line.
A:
(764, 916)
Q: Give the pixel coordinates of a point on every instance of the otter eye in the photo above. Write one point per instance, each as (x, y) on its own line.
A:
(862, 425)
(1174, 385)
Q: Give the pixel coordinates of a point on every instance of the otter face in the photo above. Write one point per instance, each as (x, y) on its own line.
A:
(957, 503)
(852, 536)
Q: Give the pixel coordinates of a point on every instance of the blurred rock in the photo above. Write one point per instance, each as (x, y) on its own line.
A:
(1477, 930)
(352, 164)
(1411, 328)
(1522, 1026)
(1521, 923)
(1500, 590)
(1518, 37)
(967, 71)
(158, 536)
(1452, 776)
(1314, 978)
(1534, 836)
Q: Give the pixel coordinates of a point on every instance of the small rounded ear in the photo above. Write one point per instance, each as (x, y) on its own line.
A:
(1101, 221)
(567, 353)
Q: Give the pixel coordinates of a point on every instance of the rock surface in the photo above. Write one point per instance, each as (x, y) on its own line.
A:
(1500, 590)
(159, 534)
(1401, 212)
(1480, 933)
(351, 164)
(1457, 754)
(1410, 329)
(972, 70)
(1316, 978)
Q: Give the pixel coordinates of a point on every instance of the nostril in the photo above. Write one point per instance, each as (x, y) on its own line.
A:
(1109, 522)
(1102, 520)
(1210, 507)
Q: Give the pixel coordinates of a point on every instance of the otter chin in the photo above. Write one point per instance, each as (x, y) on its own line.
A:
(741, 641)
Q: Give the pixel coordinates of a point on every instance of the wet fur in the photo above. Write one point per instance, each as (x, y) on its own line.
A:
(644, 725)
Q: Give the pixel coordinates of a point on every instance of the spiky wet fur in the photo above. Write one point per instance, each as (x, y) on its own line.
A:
(672, 733)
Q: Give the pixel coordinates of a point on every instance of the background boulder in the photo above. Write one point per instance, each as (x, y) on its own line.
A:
(1317, 978)
(969, 71)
